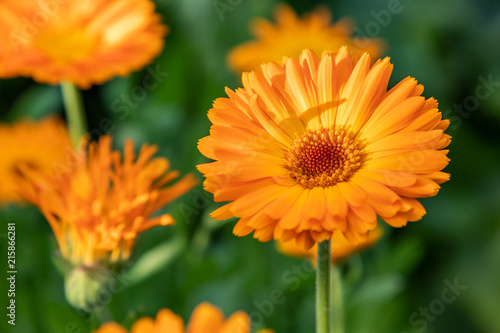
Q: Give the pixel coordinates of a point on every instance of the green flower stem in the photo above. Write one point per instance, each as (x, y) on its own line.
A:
(337, 300)
(75, 112)
(323, 291)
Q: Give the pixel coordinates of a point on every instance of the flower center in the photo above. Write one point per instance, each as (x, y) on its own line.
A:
(323, 158)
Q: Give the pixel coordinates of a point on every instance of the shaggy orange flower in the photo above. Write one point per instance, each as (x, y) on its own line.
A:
(83, 42)
(341, 249)
(97, 206)
(205, 318)
(291, 34)
(319, 145)
(41, 145)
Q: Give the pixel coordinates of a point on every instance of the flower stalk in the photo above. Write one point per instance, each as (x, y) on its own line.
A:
(323, 291)
(337, 293)
(75, 112)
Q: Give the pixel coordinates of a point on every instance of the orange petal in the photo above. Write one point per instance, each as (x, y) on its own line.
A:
(111, 328)
(167, 321)
(252, 202)
(143, 325)
(352, 194)
(205, 319)
(239, 322)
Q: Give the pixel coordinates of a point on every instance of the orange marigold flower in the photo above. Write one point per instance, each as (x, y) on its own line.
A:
(292, 34)
(340, 248)
(83, 42)
(319, 145)
(206, 318)
(41, 145)
(98, 205)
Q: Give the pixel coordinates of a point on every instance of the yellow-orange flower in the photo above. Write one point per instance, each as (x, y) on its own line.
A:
(97, 205)
(83, 42)
(206, 318)
(319, 145)
(291, 34)
(41, 145)
(340, 248)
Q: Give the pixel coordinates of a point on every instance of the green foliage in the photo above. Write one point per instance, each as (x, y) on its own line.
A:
(447, 45)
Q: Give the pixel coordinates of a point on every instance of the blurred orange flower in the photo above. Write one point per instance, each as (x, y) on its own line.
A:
(41, 145)
(340, 248)
(83, 42)
(206, 318)
(320, 145)
(291, 34)
(97, 206)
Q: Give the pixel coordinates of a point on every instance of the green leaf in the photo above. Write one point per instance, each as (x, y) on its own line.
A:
(155, 260)
(36, 102)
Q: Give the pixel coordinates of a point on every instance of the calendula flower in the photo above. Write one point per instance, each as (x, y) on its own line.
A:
(42, 145)
(341, 249)
(290, 35)
(319, 145)
(205, 318)
(98, 205)
(83, 42)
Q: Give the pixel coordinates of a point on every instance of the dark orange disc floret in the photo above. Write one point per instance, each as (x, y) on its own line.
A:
(323, 158)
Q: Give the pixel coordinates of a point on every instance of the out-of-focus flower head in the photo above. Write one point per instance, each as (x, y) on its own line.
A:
(42, 145)
(83, 42)
(205, 318)
(291, 34)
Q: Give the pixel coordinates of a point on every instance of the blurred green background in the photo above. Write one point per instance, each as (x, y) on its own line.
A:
(450, 46)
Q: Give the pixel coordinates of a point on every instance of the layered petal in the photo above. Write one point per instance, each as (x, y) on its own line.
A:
(321, 146)
(85, 43)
